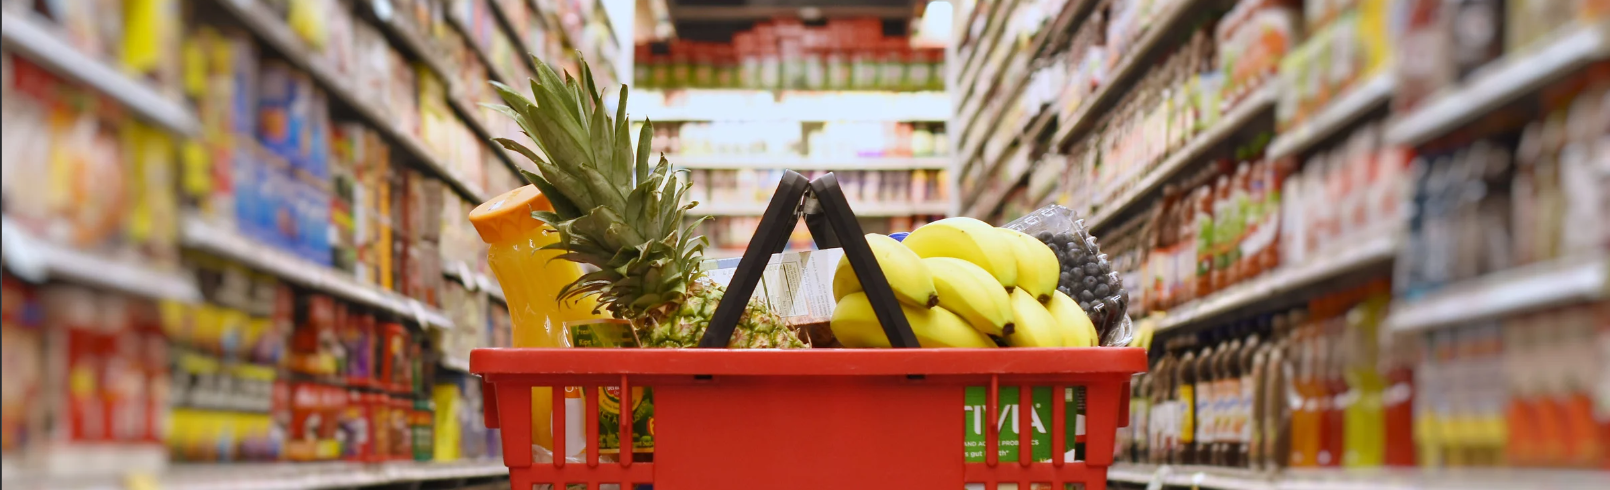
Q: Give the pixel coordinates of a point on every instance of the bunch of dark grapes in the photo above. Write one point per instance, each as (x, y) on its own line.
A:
(1087, 277)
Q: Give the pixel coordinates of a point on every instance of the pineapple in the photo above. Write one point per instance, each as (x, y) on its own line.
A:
(616, 212)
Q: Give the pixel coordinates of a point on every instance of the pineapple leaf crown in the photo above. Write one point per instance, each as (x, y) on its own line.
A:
(612, 210)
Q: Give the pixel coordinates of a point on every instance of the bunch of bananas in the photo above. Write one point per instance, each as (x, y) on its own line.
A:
(963, 283)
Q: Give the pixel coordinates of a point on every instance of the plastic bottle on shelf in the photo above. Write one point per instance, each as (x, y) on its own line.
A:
(1204, 241)
(1365, 430)
(1399, 400)
(1161, 420)
(1247, 359)
(1308, 388)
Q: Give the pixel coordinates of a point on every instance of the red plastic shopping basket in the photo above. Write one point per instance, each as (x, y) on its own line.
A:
(813, 418)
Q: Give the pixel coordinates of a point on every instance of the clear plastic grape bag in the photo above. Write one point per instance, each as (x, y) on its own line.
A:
(1086, 274)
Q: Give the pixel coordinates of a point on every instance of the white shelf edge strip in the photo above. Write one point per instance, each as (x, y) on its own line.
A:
(1325, 265)
(740, 162)
(1501, 82)
(325, 475)
(1161, 24)
(796, 106)
(37, 261)
(1221, 478)
(1566, 280)
(274, 32)
(1193, 150)
(1341, 112)
(27, 36)
(198, 234)
(863, 210)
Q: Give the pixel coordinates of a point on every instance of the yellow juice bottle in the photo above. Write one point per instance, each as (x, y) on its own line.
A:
(531, 282)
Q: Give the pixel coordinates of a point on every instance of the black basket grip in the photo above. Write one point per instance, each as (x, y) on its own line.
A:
(816, 222)
(776, 224)
(836, 210)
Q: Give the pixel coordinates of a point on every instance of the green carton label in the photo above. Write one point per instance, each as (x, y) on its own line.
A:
(612, 334)
(1007, 418)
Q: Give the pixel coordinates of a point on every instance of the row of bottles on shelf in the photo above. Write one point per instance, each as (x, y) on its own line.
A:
(1318, 386)
(750, 187)
(843, 54)
(1473, 204)
(806, 140)
(729, 235)
(257, 371)
(1514, 194)
(1331, 50)
(272, 164)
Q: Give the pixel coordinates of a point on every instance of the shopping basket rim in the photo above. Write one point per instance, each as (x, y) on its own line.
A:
(809, 362)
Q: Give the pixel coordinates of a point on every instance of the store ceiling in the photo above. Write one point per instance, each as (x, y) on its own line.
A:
(717, 20)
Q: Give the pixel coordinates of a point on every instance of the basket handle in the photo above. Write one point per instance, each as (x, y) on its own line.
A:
(828, 216)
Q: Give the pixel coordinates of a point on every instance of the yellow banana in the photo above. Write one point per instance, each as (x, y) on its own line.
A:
(1037, 267)
(1075, 324)
(910, 279)
(970, 240)
(969, 291)
(1034, 325)
(856, 325)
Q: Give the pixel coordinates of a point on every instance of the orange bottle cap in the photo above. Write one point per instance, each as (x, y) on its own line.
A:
(508, 215)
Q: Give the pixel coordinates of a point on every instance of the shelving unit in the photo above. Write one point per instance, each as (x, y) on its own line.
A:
(20, 32)
(269, 476)
(1259, 103)
(995, 124)
(861, 210)
(1330, 120)
(274, 32)
(787, 105)
(1567, 280)
(1502, 81)
(1217, 478)
(720, 162)
(1326, 265)
(29, 258)
(197, 234)
(1080, 119)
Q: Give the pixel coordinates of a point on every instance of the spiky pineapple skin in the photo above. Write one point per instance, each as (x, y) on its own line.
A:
(758, 328)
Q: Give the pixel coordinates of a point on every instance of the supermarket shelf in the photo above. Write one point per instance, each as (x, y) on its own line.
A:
(986, 203)
(1020, 65)
(1501, 82)
(408, 37)
(808, 163)
(480, 52)
(269, 476)
(1567, 280)
(1191, 476)
(473, 281)
(33, 38)
(34, 260)
(1244, 113)
(277, 34)
(1219, 478)
(1117, 81)
(201, 235)
(789, 105)
(995, 22)
(981, 80)
(861, 210)
(456, 363)
(1361, 254)
(1339, 114)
